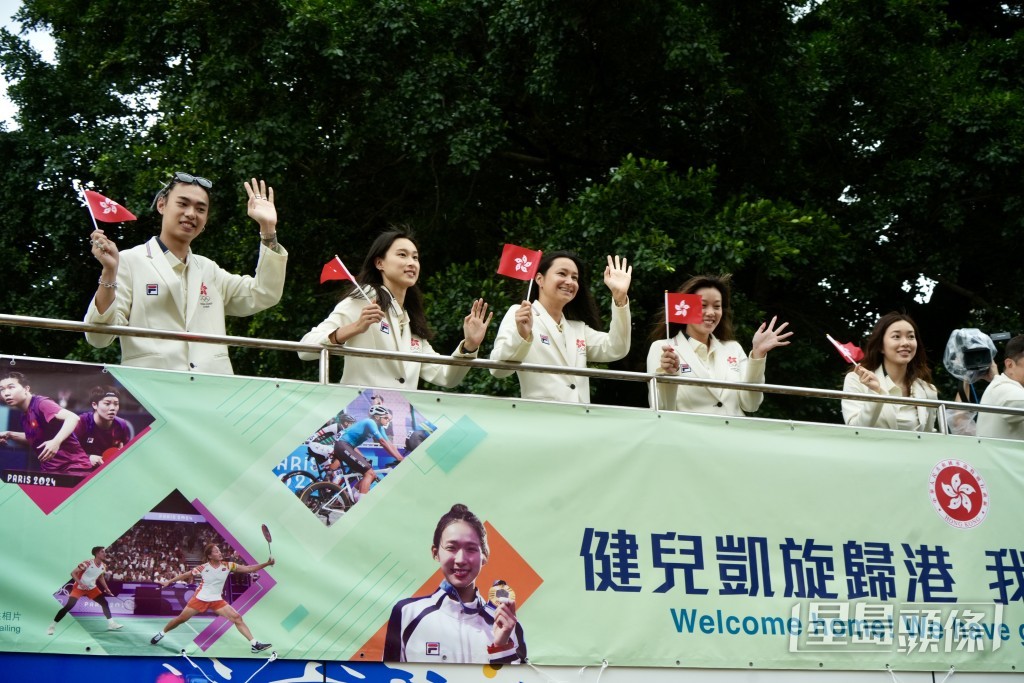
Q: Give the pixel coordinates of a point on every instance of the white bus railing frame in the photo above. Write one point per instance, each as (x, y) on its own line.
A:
(651, 380)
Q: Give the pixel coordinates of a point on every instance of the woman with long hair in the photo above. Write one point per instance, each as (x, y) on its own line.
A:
(709, 350)
(558, 326)
(894, 364)
(455, 624)
(393, 320)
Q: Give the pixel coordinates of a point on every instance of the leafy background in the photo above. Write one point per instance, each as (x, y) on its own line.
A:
(832, 155)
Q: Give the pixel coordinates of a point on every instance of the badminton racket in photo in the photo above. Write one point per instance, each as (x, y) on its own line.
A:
(266, 535)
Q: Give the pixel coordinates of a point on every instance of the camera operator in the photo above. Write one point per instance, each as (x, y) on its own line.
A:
(969, 358)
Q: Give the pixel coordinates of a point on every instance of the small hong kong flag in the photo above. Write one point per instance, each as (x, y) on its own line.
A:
(335, 270)
(519, 262)
(684, 309)
(106, 210)
(851, 353)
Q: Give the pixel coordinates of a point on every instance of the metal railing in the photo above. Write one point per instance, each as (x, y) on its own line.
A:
(651, 380)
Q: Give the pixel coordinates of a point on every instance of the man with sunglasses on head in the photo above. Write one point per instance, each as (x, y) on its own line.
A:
(163, 285)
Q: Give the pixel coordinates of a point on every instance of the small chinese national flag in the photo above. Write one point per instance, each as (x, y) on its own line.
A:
(518, 262)
(106, 210)
(335, 270)
(684, 309)
(851, 353)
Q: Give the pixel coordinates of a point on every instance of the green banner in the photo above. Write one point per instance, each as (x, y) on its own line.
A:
(643, 539)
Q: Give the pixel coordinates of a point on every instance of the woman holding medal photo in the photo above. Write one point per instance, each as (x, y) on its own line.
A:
(709, 350)
(454, 624)
(385, 312)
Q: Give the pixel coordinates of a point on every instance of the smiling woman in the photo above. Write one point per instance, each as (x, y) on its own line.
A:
(709, 350)
(894, 364)
(557, 327)
(454, 624)
(386, 313)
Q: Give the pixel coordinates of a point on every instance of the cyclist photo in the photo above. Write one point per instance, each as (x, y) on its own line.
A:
(344, 449)
(339, 463)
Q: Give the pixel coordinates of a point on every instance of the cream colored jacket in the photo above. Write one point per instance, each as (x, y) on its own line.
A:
(888, 415)
(392, 334)
(726, 361)
(1007, 393)
(149, 294)
(574, 347)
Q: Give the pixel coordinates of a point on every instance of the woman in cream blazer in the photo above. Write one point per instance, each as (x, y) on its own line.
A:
(893, 365)
(558, 328)
(708, 350)
(393, 320)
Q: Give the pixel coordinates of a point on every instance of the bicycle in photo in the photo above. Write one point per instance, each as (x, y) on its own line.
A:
(333, 498)
(300, 480)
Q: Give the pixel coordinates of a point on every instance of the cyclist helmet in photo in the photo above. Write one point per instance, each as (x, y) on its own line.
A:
(343, 419)
(379, 411)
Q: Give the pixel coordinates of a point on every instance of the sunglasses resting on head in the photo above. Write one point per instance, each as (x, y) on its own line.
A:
(184, 179)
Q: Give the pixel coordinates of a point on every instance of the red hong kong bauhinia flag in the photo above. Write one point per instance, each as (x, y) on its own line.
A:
(335, 270)
(106, 210)
(851, 353)
(519, 262)
(684, 309)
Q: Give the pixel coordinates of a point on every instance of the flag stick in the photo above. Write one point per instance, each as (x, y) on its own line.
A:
(363, 292)
(667, 334)
(529, 288)
(841, 350)
(358, 286)
(88, 207)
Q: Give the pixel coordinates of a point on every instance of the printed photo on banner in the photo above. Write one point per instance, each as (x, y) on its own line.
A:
(61, 424)
(456, 617)
(352, 452)
(175, 566)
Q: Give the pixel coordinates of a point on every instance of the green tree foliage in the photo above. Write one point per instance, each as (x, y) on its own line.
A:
(829, 154)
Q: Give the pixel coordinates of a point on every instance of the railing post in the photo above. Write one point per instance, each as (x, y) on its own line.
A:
(652, 394)
(325, 366)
